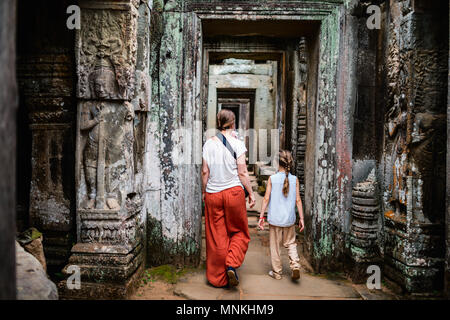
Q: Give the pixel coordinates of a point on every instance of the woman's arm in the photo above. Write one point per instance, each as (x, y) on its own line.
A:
(301, 224)
(205, 177)
(245, 180)
(265, 203)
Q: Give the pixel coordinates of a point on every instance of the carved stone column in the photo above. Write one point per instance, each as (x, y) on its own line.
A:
(364, 230)
(300, 146)
(111, 92)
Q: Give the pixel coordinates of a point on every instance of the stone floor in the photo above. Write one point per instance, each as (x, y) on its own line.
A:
(255, 283)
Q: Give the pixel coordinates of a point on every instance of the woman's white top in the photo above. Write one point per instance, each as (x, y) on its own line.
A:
(223, 173)
(282, 209)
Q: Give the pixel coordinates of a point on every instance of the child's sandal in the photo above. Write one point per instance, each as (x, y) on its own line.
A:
(295, 274)
(274, 275)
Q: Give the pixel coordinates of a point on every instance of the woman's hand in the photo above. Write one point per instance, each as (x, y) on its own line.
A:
(251, 200)
(203, 196)
(301, 225)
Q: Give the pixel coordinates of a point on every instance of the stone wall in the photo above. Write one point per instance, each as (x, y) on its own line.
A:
(331, 142)
(8, 109)
(415, 142)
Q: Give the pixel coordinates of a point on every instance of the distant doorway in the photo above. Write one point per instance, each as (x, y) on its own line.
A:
(241, 103)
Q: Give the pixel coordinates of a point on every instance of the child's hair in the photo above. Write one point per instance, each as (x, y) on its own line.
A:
(286, 161)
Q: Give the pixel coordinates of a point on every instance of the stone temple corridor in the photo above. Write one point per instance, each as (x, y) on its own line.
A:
(105, 106)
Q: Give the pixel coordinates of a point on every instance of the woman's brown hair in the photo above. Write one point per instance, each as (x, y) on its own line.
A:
(225, 119)
(286, 162)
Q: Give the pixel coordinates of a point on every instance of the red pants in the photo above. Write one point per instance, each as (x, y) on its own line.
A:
(227, 235)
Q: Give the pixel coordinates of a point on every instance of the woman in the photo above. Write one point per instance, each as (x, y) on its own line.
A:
(224, 175)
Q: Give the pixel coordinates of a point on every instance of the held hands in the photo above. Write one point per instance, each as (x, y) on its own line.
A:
(261, 223)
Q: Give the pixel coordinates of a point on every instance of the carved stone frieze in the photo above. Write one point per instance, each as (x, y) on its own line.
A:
(107, 43)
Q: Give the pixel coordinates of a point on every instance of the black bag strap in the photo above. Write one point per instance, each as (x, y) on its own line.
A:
(227, 145)
(230, 148)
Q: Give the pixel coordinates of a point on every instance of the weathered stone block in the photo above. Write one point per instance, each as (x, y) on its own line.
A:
(32, 280)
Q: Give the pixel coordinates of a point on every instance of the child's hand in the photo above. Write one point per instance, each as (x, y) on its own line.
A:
(301, 225)
(261, 224)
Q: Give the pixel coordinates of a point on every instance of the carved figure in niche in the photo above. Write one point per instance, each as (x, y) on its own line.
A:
(397, 127)
(428, 149)
(140, 105)
(96, 153)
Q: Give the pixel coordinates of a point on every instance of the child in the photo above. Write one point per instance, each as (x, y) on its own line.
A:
(282, 194)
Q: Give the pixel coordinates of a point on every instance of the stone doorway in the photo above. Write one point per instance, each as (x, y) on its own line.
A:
(272, 72)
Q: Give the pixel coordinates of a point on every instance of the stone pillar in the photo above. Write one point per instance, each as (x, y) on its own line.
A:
(8, 109)
(174, 217)
(299, 144)
(113, 98)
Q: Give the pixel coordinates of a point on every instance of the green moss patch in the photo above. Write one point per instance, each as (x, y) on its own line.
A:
(167, 273)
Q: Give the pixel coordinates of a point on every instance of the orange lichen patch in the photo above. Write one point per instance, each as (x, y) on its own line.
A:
(389, 214)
